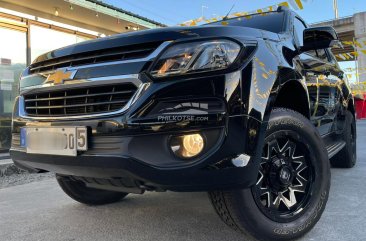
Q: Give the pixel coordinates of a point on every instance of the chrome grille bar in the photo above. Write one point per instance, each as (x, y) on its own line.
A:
(77, 105)
(79, 96)
(79, 101)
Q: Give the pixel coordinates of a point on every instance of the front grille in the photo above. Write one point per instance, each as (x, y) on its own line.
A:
(79, 101)
(95, 57)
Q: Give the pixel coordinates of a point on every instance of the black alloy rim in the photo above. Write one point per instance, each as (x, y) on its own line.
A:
(285, 179)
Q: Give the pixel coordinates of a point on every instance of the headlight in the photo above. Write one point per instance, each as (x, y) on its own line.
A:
(196, 57)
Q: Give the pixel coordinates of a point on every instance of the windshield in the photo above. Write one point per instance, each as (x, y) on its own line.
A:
(271, 21)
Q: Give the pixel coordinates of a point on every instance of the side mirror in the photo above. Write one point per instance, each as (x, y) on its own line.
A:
(320, 38)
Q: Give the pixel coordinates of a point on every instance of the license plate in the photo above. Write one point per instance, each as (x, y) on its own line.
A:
(63, 141)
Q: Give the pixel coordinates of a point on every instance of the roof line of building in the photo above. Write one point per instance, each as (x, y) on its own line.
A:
(332, 20)
(106, 5)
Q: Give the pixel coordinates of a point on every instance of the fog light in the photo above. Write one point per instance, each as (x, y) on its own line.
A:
(187, 146)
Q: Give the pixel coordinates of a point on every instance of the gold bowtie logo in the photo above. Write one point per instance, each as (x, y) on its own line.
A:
(60, 76)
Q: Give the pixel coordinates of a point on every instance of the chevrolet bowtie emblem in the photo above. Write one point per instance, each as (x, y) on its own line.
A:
(60, 76)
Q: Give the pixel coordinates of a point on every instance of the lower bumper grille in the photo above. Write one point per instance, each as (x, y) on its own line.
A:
(80, 101)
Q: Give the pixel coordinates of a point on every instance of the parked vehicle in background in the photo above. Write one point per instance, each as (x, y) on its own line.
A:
(250, 111)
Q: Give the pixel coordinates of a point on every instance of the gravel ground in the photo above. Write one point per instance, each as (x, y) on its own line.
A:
(23, 178)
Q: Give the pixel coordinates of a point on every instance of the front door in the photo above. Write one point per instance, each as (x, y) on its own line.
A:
(316, 72)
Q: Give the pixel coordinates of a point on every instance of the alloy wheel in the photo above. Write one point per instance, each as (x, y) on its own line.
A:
(285, 177)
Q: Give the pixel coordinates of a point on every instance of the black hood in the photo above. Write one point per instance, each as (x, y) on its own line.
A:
(154, 36)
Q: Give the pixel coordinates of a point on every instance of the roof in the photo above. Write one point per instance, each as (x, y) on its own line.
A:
(103, 4)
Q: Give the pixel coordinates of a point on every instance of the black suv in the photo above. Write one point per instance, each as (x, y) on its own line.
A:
(249, 109)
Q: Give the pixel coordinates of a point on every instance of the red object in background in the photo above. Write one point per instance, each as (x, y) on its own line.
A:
(361, 107)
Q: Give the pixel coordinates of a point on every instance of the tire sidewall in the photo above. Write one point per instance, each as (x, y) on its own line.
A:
(83, 194)
(350, 124)
(260, 226)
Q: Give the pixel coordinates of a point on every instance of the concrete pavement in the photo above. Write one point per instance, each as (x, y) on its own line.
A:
(41, 211)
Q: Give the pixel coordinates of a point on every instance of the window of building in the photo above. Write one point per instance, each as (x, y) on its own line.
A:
(12, 63)
(13, 59)
(54, 40)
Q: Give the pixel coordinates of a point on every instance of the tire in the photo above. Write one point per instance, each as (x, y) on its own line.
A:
(346, 158)
(78, 191)
(303, 167)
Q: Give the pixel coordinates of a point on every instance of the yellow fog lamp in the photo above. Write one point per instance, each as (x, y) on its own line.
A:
(187, 146)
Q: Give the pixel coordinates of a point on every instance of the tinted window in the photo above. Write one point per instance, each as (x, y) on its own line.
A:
(299, 28)
(312, 53)
(272, 21)
(322, 54)
(331, 56)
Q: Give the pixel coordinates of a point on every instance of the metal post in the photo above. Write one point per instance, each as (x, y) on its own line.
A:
(28, 42)
(202, 8)
(335, 7)
(356, 62)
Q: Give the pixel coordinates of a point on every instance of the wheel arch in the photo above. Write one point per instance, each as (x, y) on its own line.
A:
(292, 95)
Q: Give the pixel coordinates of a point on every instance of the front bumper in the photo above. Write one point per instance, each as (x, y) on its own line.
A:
(146, 163)
(142, 176)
